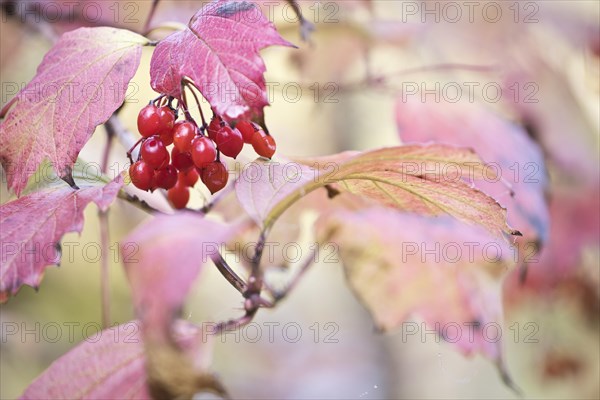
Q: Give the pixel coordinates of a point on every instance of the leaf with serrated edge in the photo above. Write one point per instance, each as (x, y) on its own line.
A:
(79, 84)
(109, 365)
(219, 51)
(169, 252)
(515, 156)
(33, 225)
(401, 264)
(429, 180)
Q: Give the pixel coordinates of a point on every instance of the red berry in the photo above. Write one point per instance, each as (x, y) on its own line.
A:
(189, 178)
(166, 177)
(247, 130)
(166, 138)
(215, 176)
(203, 151)
(179, 196)
(183, 134)
(155, 153)
(214, 126)
(149, 121)
(263, 144)
(167, 120)
(229, 141)
(141, 175)
(181, 161)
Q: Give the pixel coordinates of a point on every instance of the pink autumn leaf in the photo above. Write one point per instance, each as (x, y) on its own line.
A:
(109, 365)
(439, 269)
(427, 180)
(33, 225)
(171, 249)
(219, 51)
(516, 159)
(79, 84)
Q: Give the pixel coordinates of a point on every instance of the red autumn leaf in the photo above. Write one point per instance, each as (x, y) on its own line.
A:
(424, 179)
(518, 161)
(109, 365)
(79, 84)
(219, 51)
(33, 225)
(439, 269)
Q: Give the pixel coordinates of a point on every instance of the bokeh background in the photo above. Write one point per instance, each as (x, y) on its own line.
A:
(340, 91)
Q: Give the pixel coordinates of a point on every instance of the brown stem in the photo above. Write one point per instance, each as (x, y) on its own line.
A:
(279, 295)
(135, 201)
(192, 86)
(184, 104)
(229, 273)
(150, 16)
(222, 194)
(306, 27)
(234, 324)
(104, 268)
(110, 135)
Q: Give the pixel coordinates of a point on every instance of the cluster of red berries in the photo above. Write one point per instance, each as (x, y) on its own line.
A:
(195, 153)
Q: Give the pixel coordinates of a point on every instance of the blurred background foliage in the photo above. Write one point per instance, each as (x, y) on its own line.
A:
(342, 90)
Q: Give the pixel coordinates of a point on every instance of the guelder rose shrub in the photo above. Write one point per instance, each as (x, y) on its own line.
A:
(425, 192)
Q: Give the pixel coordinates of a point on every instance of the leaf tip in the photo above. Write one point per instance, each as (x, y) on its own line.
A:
(507, 379)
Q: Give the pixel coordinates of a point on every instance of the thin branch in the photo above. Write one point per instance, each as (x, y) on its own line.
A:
(281, 294)
(150, 16)
(234, 324)
(229, 273)
(216, 199)
(105, 237)
(184, 104)
(110, 135)
(135, 201)
(104, 268)
(190, 83)
(123, 135)
(306, 27)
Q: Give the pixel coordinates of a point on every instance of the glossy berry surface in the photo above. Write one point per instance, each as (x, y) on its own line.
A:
(149, 121)
(215, 176)
(247, 130)
(154, 153)
(229, 141)
(189, 178)
(214, 126)
(167, 120)
(203, 151)
(183, 134)
(181, 161)
(263, 144)
(141, 175)
(167, 137)
(179, 196)
(166, 177)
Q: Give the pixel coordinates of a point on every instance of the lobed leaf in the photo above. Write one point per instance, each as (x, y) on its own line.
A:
(172, 248)
(219, 51)
(109, 365)
(402, 265)
(79, 84)
(33, 225)
(429, 180)
(521, 182)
